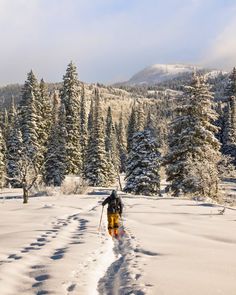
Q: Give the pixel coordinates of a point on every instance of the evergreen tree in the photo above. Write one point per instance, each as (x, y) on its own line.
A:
(97, 166)
(193, 148)
(83, 126)
(5, 126)
(45, 116)
(88, 167)
(12, 114)
(14, 146)
(121, 143)
(111, 146)
(229, 135)
(55, 163)
(143, 164)
(132, 127)
(28, 115)
(228, 123)
(231, 85)
(150, 123)
(2, 160)
(70, 97)
(91, 117)
(141, 120)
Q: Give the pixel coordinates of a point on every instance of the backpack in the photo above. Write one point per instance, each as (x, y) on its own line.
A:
(114, 206)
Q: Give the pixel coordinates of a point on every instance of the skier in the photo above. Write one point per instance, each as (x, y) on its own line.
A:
(114, 212)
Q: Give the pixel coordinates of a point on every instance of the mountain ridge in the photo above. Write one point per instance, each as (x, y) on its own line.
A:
(159, 73)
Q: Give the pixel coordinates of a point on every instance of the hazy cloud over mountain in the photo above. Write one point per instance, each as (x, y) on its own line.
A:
(110, 40)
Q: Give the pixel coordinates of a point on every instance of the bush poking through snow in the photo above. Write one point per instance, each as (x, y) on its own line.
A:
(41, 190)
(74, 186)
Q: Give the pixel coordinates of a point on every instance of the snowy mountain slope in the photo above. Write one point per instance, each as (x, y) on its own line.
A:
(171, 247)
(159, 73)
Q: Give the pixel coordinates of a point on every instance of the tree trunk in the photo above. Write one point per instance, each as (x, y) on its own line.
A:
(25, 195)
(119, 180)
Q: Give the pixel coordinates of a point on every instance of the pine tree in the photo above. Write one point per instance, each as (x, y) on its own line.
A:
(12, 114)
(45, 115)
(141, 120)
(231, 86)
(229, 135)
(229, 119)
(4, 123)
(88, 167)
(143, 164)
(91, 117)
(55, 163)
(70, 97)
(14, 148)
(132, 127)
(97, 167)
(193, 148)
(83, 127)
(111, 146)
(2, 160)
(14, 144)
(28, 115)
(121, 143)
(149, 124)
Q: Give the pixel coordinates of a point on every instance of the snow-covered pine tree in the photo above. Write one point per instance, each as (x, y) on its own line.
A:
(9, 120)
(55, 159)
(111, 146)
(143, 165)
(141, 118)
(229, 135)
(132, 127)
(89, 147)
(111, 139)
(91, 117)
(229, 119)
(96, 168)
(2, 160)
(5, 123)
(45, 116)
(70, 97)
(83, 127)
(28, 115)
(12, 114)
(193, 148)
(13, 147)
(121, 143)
(231, 85)
(149, 121)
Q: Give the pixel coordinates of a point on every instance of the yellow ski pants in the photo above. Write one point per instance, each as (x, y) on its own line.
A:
(113, 223)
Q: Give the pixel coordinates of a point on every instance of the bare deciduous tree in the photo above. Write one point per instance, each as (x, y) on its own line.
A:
(28, 172)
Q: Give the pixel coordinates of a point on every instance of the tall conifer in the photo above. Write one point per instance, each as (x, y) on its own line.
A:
(70, 97)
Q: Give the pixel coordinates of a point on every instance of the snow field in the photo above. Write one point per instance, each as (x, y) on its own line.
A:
(171, 247)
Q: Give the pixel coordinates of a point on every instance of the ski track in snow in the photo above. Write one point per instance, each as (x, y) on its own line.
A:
(32, 263)
(64, 233)
(110, 269)
(123, 275)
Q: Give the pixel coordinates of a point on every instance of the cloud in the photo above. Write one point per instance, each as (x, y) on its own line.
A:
(222, 51)
(105, 38)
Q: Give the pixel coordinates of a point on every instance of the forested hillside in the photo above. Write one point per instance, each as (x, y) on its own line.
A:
(97, 132)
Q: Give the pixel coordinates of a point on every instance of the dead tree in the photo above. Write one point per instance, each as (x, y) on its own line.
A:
(28, 172)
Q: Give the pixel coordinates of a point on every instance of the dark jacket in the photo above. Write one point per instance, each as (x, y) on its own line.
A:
(114, 203)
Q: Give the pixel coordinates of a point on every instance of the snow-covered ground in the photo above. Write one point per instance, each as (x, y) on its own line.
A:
(171, 246)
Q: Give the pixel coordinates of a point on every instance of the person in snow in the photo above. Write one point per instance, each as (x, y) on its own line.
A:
(114, 212)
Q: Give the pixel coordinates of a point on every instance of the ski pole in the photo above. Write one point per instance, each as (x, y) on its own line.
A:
(100, 219)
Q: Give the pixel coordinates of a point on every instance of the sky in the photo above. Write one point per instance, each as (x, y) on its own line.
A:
(110, 40)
